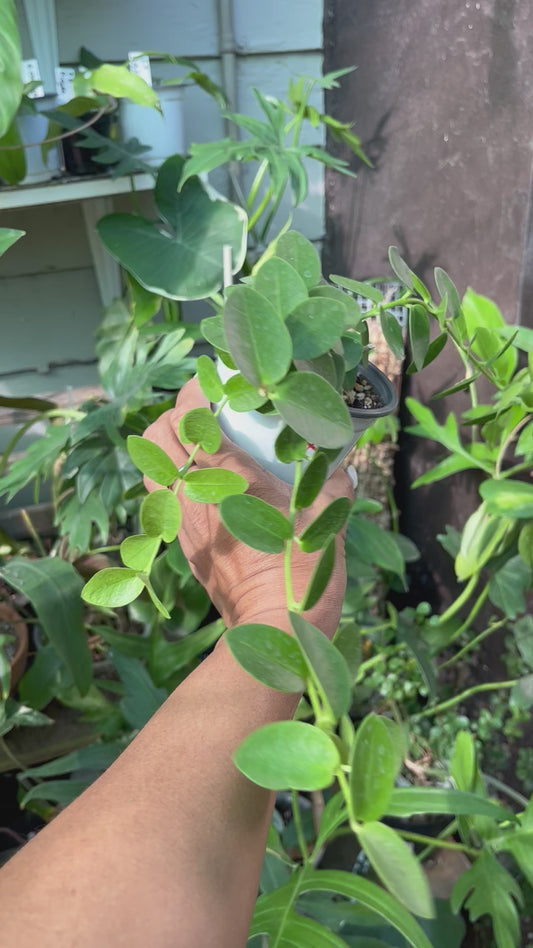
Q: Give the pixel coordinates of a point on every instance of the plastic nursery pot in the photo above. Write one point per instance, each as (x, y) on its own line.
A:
(163, 132)
(78, 160)
(256, 433)
(16, 649)
(33, 128)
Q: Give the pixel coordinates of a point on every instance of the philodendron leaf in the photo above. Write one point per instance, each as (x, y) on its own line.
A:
(113, 587)
(280, 283)
(312, 481)
(8, 237)
(508, 498)
(269, 655)
(208, 378)
(152, 461)
(199, 426)
(139, 552)
(300, 253)
(161, 515)
(258, 339)
(374, 767)
(315, 326)
(288, 755)
(321, 576)
(326, 666)
(397, 867)
(313, 408)
(182, 259)
(212, 485)
(327, 524)
(256, 523)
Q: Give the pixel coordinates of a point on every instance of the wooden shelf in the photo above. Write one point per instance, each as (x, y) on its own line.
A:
(71, 189)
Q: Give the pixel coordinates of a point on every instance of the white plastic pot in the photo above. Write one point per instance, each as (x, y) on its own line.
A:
(256, 433)
(164, 133)
(32, 129)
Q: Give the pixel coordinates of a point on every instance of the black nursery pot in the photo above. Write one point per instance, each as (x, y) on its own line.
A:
(78, 160)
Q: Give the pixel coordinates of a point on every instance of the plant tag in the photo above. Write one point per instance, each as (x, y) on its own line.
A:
(140, 65)
(65, 83)
(30, 73)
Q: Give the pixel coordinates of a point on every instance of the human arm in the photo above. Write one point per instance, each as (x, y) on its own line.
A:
(165, 849)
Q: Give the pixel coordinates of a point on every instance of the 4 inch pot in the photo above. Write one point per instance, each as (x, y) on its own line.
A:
(256, 433)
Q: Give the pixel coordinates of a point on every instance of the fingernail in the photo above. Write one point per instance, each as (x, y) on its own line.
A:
(352, 474)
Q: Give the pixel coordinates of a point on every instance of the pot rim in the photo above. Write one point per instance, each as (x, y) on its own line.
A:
(373, 374)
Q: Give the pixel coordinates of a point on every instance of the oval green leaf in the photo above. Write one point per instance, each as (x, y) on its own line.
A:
(321, 576)
(242, 396)
(392, 332)
(313, 479)
(288, 755)
(374, 767)
(212, 485)
(326, 666)
(256, 523)
(199, 426)
(314, 409)
(139, 552)
(327, 524)
(281, 284)
(113, 587)
(301, 254)
(269, 655)
(151, 460)
(397, 867)
(208, 378)
(258, 339)
(419, 335)
(161, 515)
(315, 326)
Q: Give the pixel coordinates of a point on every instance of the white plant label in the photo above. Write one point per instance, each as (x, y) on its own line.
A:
(140, 65)
(65, 83)
(30, 73)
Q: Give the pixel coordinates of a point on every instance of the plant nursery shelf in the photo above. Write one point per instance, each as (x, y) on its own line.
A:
(72, 189)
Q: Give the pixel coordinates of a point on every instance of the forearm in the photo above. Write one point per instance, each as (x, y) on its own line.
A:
(172, 833)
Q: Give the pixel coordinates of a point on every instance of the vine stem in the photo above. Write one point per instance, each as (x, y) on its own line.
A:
(441, 843)
(188, 464)
(298, 825)
(475, 642)
(460, 601)
(292, 605)
(475, 690)
(509, 439)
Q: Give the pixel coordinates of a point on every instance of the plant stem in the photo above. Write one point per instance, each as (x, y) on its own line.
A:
(475, 690)
(460, 601)
(441, 843)
(509, 439)
(292, 605)
(503, 788)
(298, 825)
(35, 536)
(473, 644)
(448, 830)
(103, 549)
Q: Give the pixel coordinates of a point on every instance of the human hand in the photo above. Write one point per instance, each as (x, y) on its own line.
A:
(244, 584)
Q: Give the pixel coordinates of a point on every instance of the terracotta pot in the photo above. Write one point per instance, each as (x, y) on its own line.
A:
(12, 624)
(256, 433)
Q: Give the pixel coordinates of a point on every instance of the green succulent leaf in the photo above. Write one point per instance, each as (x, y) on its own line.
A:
(367, 290)
(312, 482)
(269, 655)
(113, 587)
(256, 523)
(419, 335)
(397, 867)
(199, 426)
(160, 515)
(321, 576)
(288, 755)
(208, 378)
(243, 396)
(327, 524)
(326, 666)
(302, 256)
(139, 552)
(258, 339)
(280, 283)
(392, 332)
(315, 326)
(212, 485)
(313, 408)
(152, 461)
(212, 330)
(290, 446)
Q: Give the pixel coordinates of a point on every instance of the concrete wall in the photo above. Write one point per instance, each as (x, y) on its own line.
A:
(49, 302)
